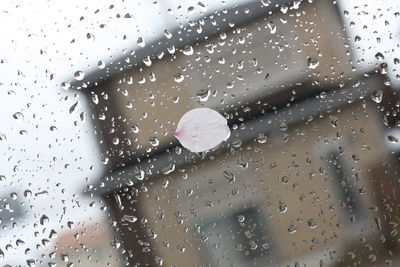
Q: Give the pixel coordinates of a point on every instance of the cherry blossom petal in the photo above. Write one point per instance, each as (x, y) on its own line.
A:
(201, 129)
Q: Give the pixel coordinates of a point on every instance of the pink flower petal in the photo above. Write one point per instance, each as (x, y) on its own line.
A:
(201, 129)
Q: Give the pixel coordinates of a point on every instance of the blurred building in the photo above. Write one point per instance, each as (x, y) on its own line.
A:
(300, 179)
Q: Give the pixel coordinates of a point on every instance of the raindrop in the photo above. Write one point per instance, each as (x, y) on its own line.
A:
(30, 262)
(138, 173)
(115, 141)
(18, 116)
(147, 61)
(283, 126)
(261, 138)
(230, 177)
(101, 64)
(105, 160)
(27, 193)
(168, 34)
(334, 121)
(188, 50)
(312, 62)
(203, 95)
(272, 27)
(170, 168)
(43, 193)
(70, 224)
(377, 96)
(72, 108)
(95, 99)
(190, 9)
(282, 207)
(178, 77)
(44, 220)
(154, 141)
(379, 56)
(140, 42)
(79, 75)
(383, 68)
(292, 228)
(312, 223)
(129, 218)
(65, 85)
(393, 139)
(175, 99)
(119, 203)
(135, 128)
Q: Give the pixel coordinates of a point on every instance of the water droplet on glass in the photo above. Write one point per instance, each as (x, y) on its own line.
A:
(203, 95)
(168, 34)
(170, 168)
(79, 75)
(115, 140)
(283, 126)
(95, 99)
(72, 108)
(18, 116)
(154, 141)
(27, 193)
(334, 121)
(383, 68)
(65, 85)
(188, 50)
(282, 207)
(230, 177)
(70, 224)
(179, 78)
(101, 64)
(312, 223)
(272, 27)
(393, 139)
(312, 62)
(43, 193)
(138, 173)
(44, 220)
(241, 218)
(292, 228)
(140, 42)
(261, 138)
(129, 218)
(135, 128)
(377, 95)
(379, 56)
(147, 61)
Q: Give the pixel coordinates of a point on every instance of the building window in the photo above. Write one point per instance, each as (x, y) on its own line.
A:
(344, 186)
(240, 237)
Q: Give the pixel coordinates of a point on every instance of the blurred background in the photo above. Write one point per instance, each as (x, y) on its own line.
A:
(91, 93)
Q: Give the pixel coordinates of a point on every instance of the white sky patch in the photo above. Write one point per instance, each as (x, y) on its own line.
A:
(373, 27)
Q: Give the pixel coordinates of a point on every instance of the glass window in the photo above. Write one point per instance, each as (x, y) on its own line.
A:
(199, 133)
